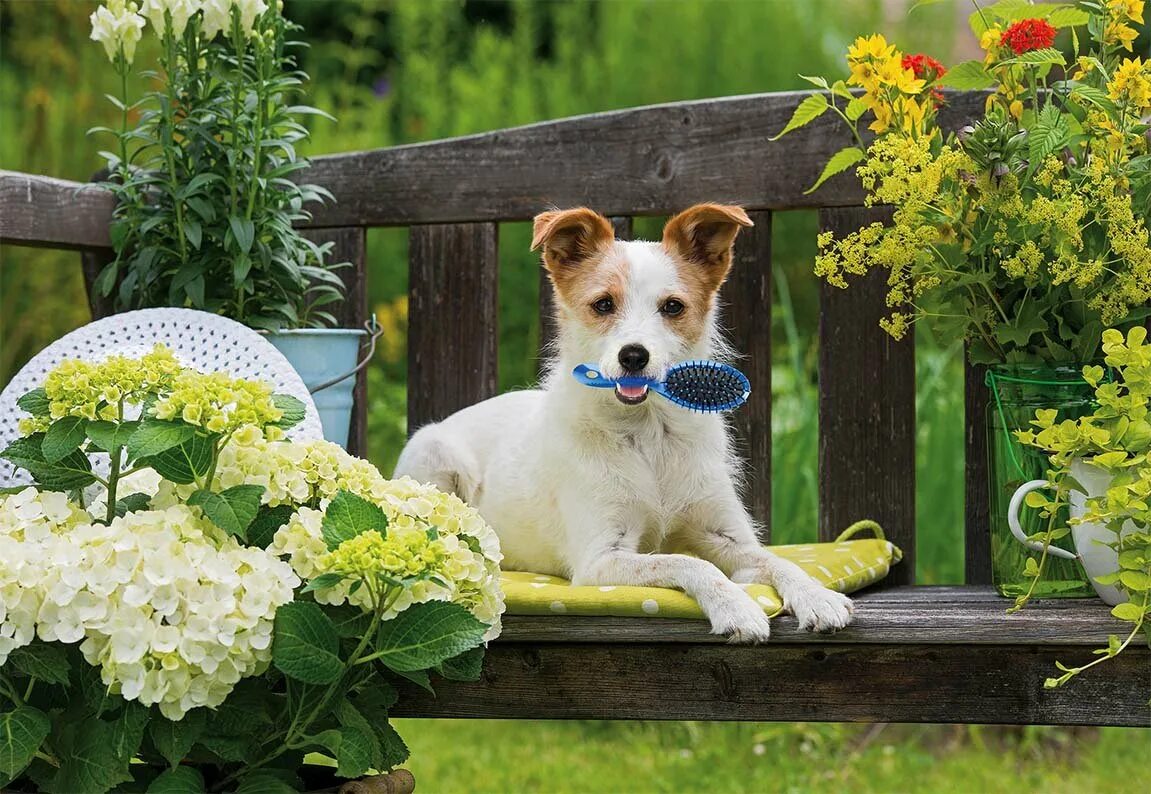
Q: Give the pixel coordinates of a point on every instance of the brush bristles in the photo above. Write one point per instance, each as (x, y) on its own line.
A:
(706, 386)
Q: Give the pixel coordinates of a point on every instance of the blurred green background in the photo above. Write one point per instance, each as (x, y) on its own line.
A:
(402, 71)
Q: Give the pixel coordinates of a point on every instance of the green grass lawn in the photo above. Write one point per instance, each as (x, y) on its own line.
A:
(481, 756)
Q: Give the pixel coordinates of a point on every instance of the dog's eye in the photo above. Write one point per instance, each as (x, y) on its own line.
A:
(671, 307)
(604, 306)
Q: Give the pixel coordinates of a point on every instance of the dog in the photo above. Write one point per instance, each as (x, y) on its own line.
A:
(608, 487)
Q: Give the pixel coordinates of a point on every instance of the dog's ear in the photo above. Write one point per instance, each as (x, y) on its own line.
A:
(703, 235)
(568, 237)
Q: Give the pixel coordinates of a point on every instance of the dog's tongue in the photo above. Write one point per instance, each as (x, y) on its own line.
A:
(632, 392)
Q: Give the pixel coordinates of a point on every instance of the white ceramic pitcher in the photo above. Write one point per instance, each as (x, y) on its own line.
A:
(1098, 559)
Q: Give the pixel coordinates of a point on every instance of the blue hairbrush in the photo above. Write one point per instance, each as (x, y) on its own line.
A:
(704, 386)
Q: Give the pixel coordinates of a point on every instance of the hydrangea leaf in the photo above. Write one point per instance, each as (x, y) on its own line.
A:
(180, 780)
(21, 733)
(305, 645)
(35, 402)
(465, 667)
(267, 521)
(87, 759)
(232, 509)
(72, 471)
(293, 409)
(424, 635)
(154, 436)
(108, 435)
(64, 437)
(132, 503)
(348, 515)
(185, 463)
(265, 781)
(42, 661)
(174, 739)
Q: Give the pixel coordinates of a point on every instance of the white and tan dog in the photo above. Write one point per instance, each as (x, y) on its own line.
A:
(613, 488)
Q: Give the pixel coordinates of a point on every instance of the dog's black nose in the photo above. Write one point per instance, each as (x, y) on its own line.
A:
(633, 358)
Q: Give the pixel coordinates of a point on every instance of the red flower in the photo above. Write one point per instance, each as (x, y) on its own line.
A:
(1028, 34)
(926, 68)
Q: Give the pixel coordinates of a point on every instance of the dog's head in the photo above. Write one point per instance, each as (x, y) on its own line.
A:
(636, 308)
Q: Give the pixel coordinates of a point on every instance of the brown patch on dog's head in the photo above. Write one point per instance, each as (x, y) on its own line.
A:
(577, 253)
(700, 240)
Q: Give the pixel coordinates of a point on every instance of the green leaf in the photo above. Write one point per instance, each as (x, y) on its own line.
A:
(1037, 58)
(305, 645)
(42, 661)
(839, 162)
(172, 739)
(35, 402)
(108, 435)
(855, 108)
(264, 781)
(90, 754)
(359, 748)
(154, 436)
(133, 503)
(244, 231)
(1136, 581)
(293, 409)
(323, 582)
(466, 667)
(185, 463)
(180, 780)
(232, 510)
(811, 108)
(25, 452)
(1048, 134)
(967, 76)
(348, 515)
(266, 523)
(1127, 611)
(21, 733)
(393, 750)
(64, 437)
(1067, 17)
(424, 635)
(71, 472)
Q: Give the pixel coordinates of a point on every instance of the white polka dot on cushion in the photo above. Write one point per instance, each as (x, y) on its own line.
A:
(607, 588)
(650, 606)
(765, 601)
(559, 606)
(539, 584)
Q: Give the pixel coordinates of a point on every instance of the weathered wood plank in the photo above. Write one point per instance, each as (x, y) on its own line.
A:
(622, 227)
(453, 318)
(350, 245)
(856, 683)
(898, 615)
(747, 294)
(641, 161)
(976, 490)
(866, 408)
(54, 213)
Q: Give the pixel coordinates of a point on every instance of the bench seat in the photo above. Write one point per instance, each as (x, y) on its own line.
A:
(913, 654)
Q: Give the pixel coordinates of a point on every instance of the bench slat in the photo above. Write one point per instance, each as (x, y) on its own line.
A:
(866, 407)
(977, 488)
(747, 295)
(897, 615)
(873, 683)
(453, 313)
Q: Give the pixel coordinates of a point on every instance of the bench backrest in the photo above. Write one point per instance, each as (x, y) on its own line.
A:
(644, 161)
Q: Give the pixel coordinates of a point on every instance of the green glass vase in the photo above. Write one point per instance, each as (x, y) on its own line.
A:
(1017, 391)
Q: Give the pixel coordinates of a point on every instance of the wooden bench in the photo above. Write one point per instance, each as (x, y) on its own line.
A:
(937, 654)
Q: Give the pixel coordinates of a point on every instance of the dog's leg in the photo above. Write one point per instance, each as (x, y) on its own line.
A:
(721, 531)
(431, 456)
(732, 611)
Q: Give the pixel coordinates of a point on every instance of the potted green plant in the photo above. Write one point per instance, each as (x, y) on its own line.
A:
(212, 602)
(1100, 470)
(205, 172)
(1025, 233)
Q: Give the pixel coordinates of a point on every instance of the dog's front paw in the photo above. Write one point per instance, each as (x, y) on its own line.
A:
(820, 609)
(742, 623)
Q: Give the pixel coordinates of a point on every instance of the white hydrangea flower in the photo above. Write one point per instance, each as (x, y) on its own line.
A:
(171, 610)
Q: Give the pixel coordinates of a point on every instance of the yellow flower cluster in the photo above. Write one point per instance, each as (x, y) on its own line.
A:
(1123, 16)
(97, 389)
(890, 91)
(1130, 86)
(220, 403)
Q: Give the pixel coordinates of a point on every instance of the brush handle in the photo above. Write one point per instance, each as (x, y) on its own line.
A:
(589, 376)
